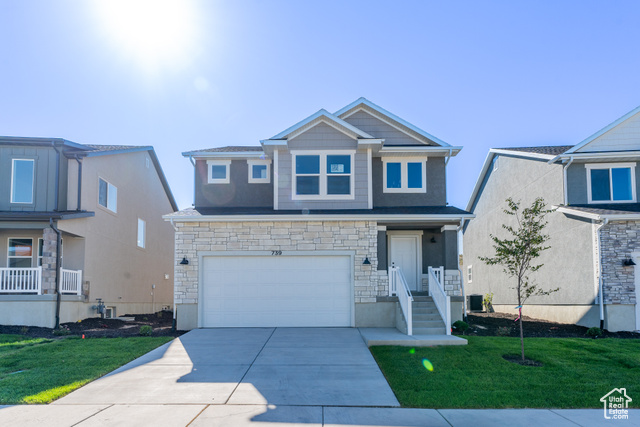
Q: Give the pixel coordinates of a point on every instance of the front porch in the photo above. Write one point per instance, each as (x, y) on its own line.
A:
(28, 261)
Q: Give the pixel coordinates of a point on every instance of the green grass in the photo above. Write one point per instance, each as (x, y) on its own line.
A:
(577, 372)
(38, 370)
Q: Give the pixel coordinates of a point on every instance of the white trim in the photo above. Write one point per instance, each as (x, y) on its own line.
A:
(392, 116)
(522, 154)
(495, 163)
(259, 162)
(603, 131)
(387, 122)
(276, 180)
(598, 156)
(369, 180)
(226, 179)
(590, 166)
(417, 237)
(333, 125)
(404, 181)
(382, 228)
(598, 217)
(449, 228)
(322, 175)
(395, 218)
(33, 179)
(321, 113)
(396, 150)
(22, 257)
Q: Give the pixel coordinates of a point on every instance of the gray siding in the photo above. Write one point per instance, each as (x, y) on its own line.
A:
(378, 129)
(322, 137)
(238, 193)
(568, 264)
(577, 183)
(44, 196)
(436, 194)
(442, 252)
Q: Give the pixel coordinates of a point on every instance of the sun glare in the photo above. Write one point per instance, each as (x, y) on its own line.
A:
(154, 32)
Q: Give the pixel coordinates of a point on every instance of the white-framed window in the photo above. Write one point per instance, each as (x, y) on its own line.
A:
(41, 251)
(218, 171)
(22, 171)
(259, 171)
(142, 233)
(20, 252)
(107, 195)
(319, 175)
(404, 175)
(611, 182)
(469, 274)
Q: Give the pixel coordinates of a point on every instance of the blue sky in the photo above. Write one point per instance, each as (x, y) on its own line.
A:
(479, 74)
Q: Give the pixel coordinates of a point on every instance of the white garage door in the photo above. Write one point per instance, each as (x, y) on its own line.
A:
(270, 291)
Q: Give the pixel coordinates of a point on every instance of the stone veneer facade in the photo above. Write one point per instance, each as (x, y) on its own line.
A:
(361, 237)
(618, 241)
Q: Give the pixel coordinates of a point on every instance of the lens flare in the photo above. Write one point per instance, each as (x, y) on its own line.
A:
(427, 365)
(412, 351)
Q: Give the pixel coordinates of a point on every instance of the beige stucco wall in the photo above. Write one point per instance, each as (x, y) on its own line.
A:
(116, 269)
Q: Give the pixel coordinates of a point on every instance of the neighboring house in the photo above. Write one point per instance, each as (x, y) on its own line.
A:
(595, 233)
(303, 229)
(106, 203)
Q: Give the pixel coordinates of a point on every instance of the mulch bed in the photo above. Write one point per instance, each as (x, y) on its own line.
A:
(502, 324)
(95, 327)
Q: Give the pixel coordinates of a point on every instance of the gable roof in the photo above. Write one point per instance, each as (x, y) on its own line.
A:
(227, 149)
(328, 118)
(399, 122)
(604, 130)
(534, 153)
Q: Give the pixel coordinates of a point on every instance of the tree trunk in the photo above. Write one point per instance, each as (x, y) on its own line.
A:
(521, 336)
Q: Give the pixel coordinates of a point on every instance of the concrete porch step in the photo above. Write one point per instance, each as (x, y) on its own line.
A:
(428, 324)
(431, 311)
(429, 331)
(425, 316)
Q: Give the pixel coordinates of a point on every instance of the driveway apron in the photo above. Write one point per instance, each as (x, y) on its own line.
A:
(248, 366)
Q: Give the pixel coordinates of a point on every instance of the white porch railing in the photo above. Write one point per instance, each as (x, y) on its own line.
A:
(440, 297)
(70, 281)
(439, 273)
(21, 280)
(398, 284)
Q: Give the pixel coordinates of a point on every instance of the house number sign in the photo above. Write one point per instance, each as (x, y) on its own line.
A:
(276, 252)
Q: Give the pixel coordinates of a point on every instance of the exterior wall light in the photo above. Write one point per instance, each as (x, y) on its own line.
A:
(433, 239)
(184, 261)
(628, 262)
(366, 261)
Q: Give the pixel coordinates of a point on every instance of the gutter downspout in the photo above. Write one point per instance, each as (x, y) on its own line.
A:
(55, 199)
(58, 262)
(79, 205)
(600, 281)
(464, 295)
(564, 176)
(446, 161)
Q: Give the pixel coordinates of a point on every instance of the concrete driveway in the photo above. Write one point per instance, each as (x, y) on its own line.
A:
(248, 366)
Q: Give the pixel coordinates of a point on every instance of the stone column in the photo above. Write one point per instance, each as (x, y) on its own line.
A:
(49, 253)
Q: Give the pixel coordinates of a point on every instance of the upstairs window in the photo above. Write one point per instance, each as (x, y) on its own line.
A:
(218, 171)
(611, 183)
(259, 171)
(142, 233)
(107, 195)
(22, 181)
(404, 176)
(323, 175)
(20, 253)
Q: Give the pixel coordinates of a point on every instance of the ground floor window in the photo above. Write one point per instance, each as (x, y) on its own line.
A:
(20, 253)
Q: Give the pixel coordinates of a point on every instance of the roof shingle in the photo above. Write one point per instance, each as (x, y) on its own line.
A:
(552, 150)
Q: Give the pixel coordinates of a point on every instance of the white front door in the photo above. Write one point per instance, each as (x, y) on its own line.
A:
(636, 273)
(404, 252)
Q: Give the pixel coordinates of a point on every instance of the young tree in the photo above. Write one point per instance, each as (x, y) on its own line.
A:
(517, 252)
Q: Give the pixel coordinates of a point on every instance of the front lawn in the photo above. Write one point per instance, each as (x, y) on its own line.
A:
(577, 372)
(39, 370)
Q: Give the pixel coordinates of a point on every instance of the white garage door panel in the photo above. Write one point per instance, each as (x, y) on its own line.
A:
(276, 291)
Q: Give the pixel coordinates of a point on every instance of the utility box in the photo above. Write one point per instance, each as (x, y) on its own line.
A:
(475, 303)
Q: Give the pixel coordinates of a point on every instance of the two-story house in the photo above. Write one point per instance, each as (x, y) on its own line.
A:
(81, 222)
(594, 232)
(336, 221)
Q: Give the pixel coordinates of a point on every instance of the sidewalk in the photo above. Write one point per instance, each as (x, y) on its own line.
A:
(293, 416)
